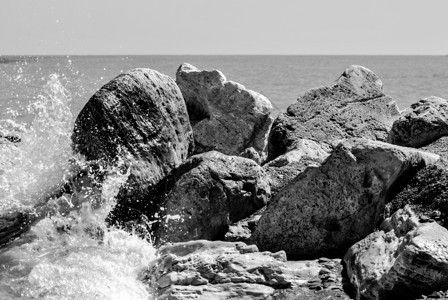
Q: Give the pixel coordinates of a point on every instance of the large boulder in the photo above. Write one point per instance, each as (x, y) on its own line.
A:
(225, 115)
(421, 124)
(403, 260)
(224, 270)
(140, 119)
(354, 106)
(209, 192)
(326, 209)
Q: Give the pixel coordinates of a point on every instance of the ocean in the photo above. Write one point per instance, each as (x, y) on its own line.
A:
(280, 78)
(40, 98)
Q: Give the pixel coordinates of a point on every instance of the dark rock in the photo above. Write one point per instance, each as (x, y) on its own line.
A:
(439, 147)
(324, 210)
(140, 118)
(427, 194)
(209, 192)
(403, 260)
(354, 106)
(421, 124)
(225, 115)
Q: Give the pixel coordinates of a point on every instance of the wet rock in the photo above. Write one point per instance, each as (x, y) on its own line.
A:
(286, 167)
(13, 224)
(427, 194)
(403, 260)
(326, 209)
(421, 124)
(225, 115)
(209, 192)
(354, 106)
(139, 117)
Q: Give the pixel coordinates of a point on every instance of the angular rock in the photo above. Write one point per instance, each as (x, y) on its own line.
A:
(242, 230)
(324, 210)
(421, 124)
(208, 193)
(139, 117)
(439, 147)
(283, 169)
(427, 194)
(225, 115)
(403, 260)
(223, 270)
(354, 106)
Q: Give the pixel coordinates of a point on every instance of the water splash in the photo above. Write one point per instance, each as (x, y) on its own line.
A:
(70, 254)
(40, 162)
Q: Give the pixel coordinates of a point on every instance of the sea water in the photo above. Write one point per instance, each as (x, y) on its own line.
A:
(74, 255)
(70, 254)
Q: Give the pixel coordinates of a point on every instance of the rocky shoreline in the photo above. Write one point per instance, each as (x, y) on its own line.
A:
(342, 196)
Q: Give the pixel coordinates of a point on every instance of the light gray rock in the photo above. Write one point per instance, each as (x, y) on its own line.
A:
(225, 115)
(209, 192)
(139, 117)
(403, 260)
(423, 123)
(206, 270)
(326, 209)
(283, 169)
(354, 106)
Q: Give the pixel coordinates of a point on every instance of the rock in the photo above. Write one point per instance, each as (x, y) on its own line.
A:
(224, 270)
(421, 124)
(354, 106)
(225, 116)
(242, 230)
(139, 117)
(209, 192)
(286, 167)
(251, 153)
(439, 147)
(403, 260)
(326, 209)
(427, 194)
(13, 224)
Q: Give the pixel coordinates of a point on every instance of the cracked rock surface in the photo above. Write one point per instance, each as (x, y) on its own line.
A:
(225, 115)
(326, 209)
(354, 106)
(403, 260)
(205, 270)
(209, 192)
(423, 123)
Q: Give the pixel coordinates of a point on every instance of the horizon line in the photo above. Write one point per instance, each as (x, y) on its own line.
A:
(44, 55)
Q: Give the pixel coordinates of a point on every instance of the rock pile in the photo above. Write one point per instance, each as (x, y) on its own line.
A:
(325, 163)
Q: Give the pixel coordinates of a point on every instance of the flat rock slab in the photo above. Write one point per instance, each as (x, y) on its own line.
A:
(423, 123)
(403, 260)
(223, 270)
(225, 116)
(326, 209)
(354, 106)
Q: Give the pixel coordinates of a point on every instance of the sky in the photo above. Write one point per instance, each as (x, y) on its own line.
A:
(343, 27)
